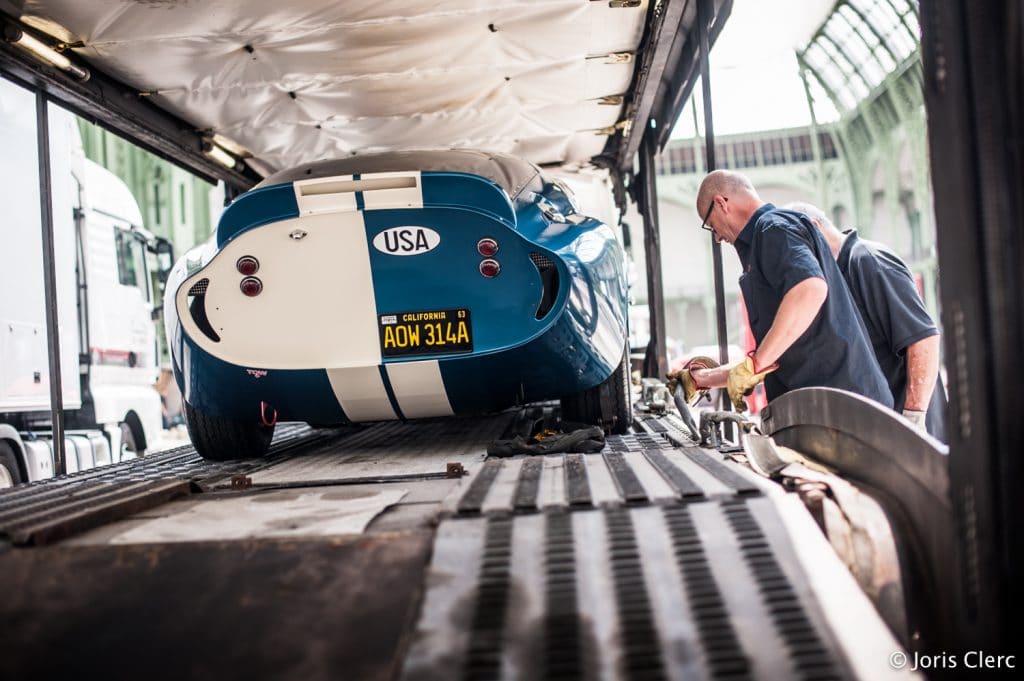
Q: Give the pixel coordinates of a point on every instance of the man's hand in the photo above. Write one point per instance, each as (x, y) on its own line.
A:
(743, 378)
(685, 376)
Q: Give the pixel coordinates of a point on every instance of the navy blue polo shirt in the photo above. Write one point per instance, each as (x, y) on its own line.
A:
(884, 291)
(779, 249)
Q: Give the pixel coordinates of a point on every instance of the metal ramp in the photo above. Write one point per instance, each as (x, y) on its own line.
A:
(646, 561)
(633, 469)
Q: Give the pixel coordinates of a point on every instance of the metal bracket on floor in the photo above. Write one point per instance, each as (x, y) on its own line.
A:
(240, 482)
(244, 483)
(710, 437)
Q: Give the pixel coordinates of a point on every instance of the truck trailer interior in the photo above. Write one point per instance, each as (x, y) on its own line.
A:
(832, 541)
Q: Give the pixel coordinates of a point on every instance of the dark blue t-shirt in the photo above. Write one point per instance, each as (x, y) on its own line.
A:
(884, 291)
(779, 249)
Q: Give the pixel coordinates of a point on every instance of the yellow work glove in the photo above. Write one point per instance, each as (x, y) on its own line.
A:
(743, 378)
(691, 390)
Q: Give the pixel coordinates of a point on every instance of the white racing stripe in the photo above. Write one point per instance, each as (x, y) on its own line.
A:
(419, 389)
(361, 394)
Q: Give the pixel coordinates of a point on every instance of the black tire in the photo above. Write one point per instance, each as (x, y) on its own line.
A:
(133, 434)
(608, 404)
(220, 439)
(11, 473)
(127, 442)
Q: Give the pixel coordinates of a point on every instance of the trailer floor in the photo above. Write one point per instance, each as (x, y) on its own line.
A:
(350, 554)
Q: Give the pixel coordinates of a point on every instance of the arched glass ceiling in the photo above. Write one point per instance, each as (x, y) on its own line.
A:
(861, 43)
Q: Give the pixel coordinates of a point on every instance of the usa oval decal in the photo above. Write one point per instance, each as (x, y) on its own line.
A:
(406, 240)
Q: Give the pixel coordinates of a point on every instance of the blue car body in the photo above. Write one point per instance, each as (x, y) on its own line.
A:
(342, 256)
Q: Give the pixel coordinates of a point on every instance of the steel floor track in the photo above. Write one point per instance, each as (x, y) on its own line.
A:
(633, 469)
(642, 562)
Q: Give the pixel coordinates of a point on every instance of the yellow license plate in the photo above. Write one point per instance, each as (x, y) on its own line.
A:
(425, 333)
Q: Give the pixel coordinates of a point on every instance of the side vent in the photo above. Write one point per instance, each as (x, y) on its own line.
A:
(549, 281)
(199, 288)
(197, 308)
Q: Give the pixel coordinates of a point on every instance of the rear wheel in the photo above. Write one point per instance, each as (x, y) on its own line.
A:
(221, 439)
(608, 404)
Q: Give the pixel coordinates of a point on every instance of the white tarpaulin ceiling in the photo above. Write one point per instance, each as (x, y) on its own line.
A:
(293, 82)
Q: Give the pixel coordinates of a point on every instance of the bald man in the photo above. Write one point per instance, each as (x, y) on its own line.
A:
(903, 335)
(803, 318)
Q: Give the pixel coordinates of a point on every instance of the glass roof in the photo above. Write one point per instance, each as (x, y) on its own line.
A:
(860, 43)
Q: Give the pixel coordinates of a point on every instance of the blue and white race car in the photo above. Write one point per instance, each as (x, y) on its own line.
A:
(404, 285)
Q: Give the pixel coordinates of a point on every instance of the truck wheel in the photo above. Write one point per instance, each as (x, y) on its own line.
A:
(221, 439)
(129, 450)
(10, 474)
(609, 404)
(133, 435)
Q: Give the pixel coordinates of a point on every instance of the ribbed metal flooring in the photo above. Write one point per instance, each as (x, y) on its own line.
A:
(668, 591)
(633, 469)
(645, 561)
(52, 509)
(181, 463)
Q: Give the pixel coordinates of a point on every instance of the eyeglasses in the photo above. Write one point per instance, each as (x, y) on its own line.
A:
(704, 225)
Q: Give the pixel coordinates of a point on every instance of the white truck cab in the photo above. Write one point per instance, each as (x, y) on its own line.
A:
(106, 294)
(121, 294)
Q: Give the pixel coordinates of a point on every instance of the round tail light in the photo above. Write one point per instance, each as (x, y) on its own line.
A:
(248, 265)
(487, 247)
(251, 286)
(490, 268)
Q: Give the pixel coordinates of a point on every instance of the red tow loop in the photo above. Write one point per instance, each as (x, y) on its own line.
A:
(263, 414)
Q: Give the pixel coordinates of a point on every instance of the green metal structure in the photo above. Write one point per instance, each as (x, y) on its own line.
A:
(175, 204)
(869, 169)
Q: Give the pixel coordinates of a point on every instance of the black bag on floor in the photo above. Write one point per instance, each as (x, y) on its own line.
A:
(574, 438)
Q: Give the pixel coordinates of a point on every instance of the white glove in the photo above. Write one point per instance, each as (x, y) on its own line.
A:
(915, 417)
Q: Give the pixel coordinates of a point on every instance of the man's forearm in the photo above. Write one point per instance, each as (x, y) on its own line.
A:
(711, 378)
(797, 310)
(922, 372)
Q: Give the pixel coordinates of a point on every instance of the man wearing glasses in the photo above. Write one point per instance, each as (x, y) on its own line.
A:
(807, 329)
